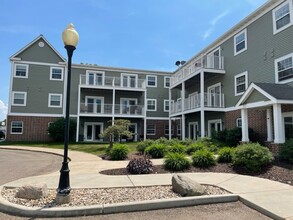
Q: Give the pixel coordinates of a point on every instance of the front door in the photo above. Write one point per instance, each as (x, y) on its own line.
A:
(193, 130)
(213, 59)
(214, 95)
(133, 128)
(214, 126)
(92, 131)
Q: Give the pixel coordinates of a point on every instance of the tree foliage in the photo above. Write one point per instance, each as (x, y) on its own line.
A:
(57, 128)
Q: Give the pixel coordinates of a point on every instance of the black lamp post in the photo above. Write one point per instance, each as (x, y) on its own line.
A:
(70, 39)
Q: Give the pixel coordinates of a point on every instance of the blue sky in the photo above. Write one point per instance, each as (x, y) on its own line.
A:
(143, 34)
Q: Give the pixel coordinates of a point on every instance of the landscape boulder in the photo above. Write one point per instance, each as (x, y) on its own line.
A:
(32, 192)
(186, 186)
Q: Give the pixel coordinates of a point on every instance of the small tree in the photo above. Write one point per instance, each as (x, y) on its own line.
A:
(118, 129)
(56, 129)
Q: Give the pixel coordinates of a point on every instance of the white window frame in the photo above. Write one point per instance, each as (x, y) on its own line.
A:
(155, 77)
(167, 103)
(245, 40)
(154, 129)
(11, 127)
(51, 73)
(155, 103)
(95, 106)
(128, 105)
(276, 68)
(26, 67)
(95, 77)
(235, 82)
(92, 124)
(290, 14)
(165, 81)
(217, 121)
(128, 80)
(49, 100)
(179, 129)
(24, 101)
(238, 122)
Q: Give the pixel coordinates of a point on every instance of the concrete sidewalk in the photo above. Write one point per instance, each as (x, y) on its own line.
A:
(269, 197)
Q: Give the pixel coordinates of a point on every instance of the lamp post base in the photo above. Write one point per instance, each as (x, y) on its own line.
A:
(64, 182)
(62, 199)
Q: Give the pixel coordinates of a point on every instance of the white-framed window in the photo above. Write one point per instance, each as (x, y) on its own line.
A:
(21, 70)
(284, 69)
(16, 127)
(240, 42)
(240, 83)
(282, 16)
(167, 81)
(19, 98)
(151, 81)
(129, 80)
(151, 129)
(95, 78)
(56, 73)
(94, 104)
(179, 129)
(166, 105)
(238, 122)
(151, 105)
(166, 130)
(55, 100)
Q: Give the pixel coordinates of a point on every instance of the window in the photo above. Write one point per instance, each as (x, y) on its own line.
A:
(21, 71)
(167, 130)
(284, 69)
(55, 100)
(166, 105)
(282, 16)
(16, 127)
(151, 129)
(167, 81)
(56, 73)
(95, 78)
(238, 122)
(129, 80)
(151, 105)
(19, 98)
(240, 42)
(241, 82)
(152, 81)
(94, 104)
(178, 129)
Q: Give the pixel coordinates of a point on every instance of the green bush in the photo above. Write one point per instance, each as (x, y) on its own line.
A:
(176, 162)
(141, 146)
(163, 140)
(203, 158)
(56, 129)
(187, 142)
(252, 156)
(225, 155)
(196, 146)
(177, 148)
(286, 151)
(118, 152)
(140, 165)
(156, 150)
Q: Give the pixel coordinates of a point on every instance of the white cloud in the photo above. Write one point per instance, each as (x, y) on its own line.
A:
(219, 17)
(3, 110)
(207, 33)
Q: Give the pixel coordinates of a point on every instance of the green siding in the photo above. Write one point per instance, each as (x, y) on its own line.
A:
(255, 96)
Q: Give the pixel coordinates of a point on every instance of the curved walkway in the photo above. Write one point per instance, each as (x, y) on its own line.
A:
(269, 197)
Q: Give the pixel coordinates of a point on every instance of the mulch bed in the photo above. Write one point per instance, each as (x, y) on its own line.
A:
(278, 171)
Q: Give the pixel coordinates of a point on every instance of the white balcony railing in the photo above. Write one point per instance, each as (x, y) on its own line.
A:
(116, 82)
(205, 61)
(211, 100)
(107, 109)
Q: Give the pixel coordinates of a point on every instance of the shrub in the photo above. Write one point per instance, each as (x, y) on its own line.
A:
(187, 142)
(141, 146)
(56, 129)
(196, 146)
(118, 152)
(140, 165)
(176, 162)
(252, 156)
(162, 140)
(225, 155)
(203, 158)
(177, 148)
(286, 151)
(156, 150)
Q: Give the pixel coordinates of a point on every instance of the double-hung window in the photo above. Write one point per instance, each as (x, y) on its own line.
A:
(151, 105)
(282, 16)
(284, 69)
(167, 81)
(55, 100)
(21, 71)
(152, 81)
(151, 129)
(56, 73)
(19, 98)
(240, 42)
(16, 127)
(241, 83)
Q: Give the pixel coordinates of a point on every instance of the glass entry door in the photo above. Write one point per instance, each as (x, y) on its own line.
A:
(92, 131)
(193, 130)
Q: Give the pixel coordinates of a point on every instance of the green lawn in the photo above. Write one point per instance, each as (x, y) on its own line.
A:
(93, 148)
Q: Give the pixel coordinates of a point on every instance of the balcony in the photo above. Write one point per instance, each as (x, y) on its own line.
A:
(107, 110)
(126, 82)
(211, 100)
(208, 62)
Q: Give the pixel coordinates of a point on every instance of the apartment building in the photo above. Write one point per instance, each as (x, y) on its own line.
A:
(243, 79)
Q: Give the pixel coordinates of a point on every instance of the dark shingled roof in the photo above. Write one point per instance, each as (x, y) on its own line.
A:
(278, 91)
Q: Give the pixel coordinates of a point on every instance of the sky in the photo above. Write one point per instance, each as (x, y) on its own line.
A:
(141, 34)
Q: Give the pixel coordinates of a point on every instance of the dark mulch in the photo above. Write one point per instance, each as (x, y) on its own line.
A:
(278, 171)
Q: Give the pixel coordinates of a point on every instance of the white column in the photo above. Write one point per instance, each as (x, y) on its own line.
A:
(145, 116)
(183, 97)
(244, 118)
(269, 125)
(144, 128)
(113, 105)
(202, 113)
(170, 129)
(183, 127)
(278, 124)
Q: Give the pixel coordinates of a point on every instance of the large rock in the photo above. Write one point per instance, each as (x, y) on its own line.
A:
(32, 192)
(186, 186)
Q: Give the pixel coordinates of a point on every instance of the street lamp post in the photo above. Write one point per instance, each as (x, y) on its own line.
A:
(70, 39)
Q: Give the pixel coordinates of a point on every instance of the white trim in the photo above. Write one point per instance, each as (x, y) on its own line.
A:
(51, 73)
(92, 124)
(151, 110)
(165, 81)
(95, 77)
(290, 14)
(41, 63)
(40, 115)
(16, 132)
(128, 82)
(170, 103)
(26, 70)
(126, 99)
(237, 122)
(195, 125)
(49, 100)
(235, 82)
(94, 104)
(245, 41)
(24, 98)
(216, 121)
(147, 81)
(277, 72)
(156, 118)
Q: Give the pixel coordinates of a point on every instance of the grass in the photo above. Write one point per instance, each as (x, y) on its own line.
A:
(92, 148)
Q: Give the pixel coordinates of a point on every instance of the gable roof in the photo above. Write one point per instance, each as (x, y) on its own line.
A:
(14, 56)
